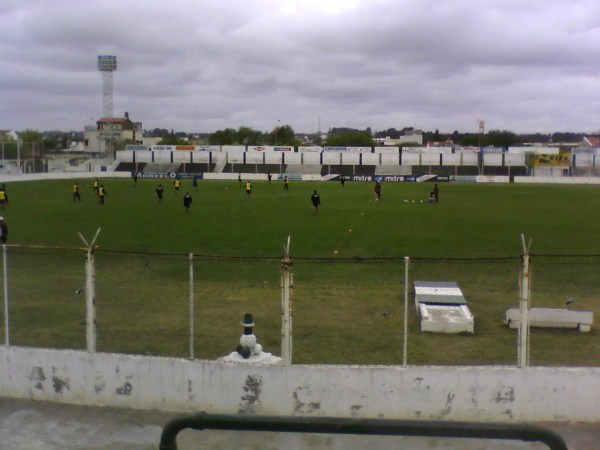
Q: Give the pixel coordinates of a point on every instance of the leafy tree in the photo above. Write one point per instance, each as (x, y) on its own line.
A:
(283, 135)
(172, 139)
(29, 147)
(501, 138)
(469, 140)
(567, 137)
(349, 139)
(52, 144)
(160, 132)
(495, 138)
(392, 133)
(248, 136)
(243, 136)
(341, 130)
(535, 137)
(228, 136)
(30, 136)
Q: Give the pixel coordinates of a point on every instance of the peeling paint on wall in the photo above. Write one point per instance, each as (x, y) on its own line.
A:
(37, 377)
(125, 389)
(253, 389)
(190, 391)
(448, 408)
(419, 381)
(501, 394)
(60, 385)
(99, 384)
(506, 394)
(474, 390)
(355, 409)
(304, 401)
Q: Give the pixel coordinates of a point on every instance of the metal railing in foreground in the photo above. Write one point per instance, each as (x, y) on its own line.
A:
(381, 427)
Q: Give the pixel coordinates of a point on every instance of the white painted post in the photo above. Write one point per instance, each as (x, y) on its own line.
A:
(191, 306)
(90, 301)
(90, 294)
(523, 357)
(287, 285)
(5, 281)
(405, 346)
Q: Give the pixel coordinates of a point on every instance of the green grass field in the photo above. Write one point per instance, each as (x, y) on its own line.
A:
(348, 308)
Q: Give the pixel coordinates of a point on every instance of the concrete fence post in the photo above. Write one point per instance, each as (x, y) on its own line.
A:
(90, 294)
(287, 299)
(523, 356)
(5, 284)
(90, 301)
(191, 305)
(405, 339)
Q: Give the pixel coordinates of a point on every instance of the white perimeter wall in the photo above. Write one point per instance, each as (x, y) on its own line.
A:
(558, 180)
(347, 158)
(64, 176)
(498, 394)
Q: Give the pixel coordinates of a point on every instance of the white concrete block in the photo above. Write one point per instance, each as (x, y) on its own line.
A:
(551, 318)
(446, 318)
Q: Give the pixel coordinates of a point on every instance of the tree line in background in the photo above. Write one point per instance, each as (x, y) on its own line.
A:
(337, 137)
(284, 135)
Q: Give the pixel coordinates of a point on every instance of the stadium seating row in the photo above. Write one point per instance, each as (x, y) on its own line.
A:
(327, 169)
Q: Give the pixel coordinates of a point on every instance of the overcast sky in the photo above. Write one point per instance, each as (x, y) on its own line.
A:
(204, 65)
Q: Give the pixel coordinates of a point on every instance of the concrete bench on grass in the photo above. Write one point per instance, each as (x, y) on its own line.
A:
(551, 318)
(446, 318)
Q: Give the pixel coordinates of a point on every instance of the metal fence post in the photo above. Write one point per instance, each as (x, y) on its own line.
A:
(405, 343)
(5, 282)
(191, 306)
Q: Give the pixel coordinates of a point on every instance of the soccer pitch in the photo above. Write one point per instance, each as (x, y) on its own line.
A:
(348, 266)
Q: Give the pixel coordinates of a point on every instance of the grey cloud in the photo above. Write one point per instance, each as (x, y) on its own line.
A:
(201, 66)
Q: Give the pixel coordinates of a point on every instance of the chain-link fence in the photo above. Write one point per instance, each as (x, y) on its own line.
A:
(564, 301)
(42, 289)
(356, 311)
(182, 305)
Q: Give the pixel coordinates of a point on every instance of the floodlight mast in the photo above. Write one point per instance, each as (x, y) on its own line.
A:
(107, 64)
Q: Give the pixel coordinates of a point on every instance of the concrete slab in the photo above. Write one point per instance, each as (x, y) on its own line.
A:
(551, 318)
(35, 425)
(446, 318)
(442, 307)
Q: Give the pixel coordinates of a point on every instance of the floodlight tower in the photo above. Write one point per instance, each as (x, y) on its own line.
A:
(107, 65)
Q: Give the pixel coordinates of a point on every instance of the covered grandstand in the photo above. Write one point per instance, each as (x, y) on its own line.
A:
(350, 163)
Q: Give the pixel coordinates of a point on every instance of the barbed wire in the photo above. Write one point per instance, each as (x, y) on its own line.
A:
(316, 259)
